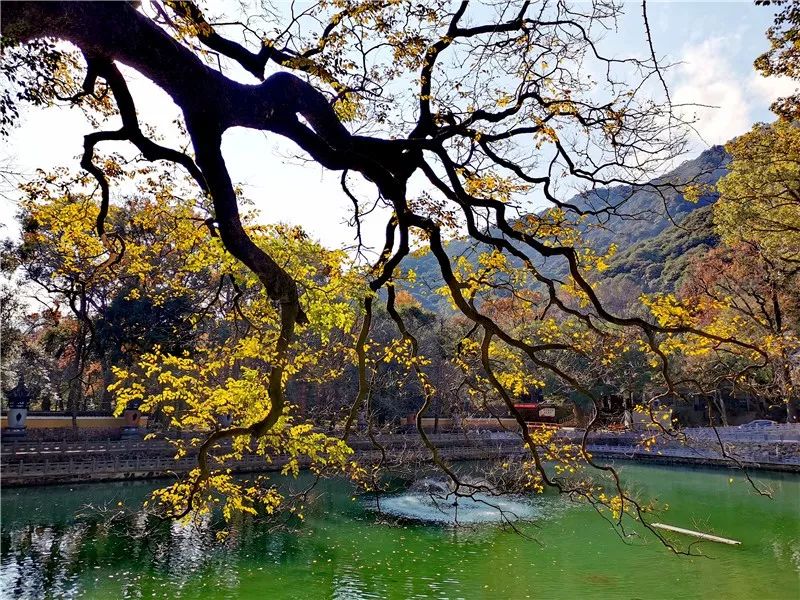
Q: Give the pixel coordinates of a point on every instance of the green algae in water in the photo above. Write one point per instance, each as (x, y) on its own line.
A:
(344, 550)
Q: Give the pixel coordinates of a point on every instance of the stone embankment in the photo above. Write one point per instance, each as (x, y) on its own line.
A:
(35, 462)
(774, 448)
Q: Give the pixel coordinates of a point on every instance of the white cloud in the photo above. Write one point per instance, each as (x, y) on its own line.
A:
(767, 89)
(729, 97)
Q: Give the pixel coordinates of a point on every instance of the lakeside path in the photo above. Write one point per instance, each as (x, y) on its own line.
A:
(26, 463)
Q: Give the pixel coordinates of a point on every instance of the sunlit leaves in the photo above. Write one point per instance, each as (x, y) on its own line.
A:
(760, 197)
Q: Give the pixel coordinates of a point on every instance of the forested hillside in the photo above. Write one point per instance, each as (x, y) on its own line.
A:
(658, 264)
(653, 212)
(655, 240)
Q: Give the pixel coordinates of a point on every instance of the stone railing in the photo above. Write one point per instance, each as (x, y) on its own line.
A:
(30, 463)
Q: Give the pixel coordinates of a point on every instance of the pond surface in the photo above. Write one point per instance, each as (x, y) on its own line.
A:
(344, 550)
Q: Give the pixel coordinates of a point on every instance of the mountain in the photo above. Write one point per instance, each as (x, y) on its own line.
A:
(652, 212)
(656, 233)
(658, 264)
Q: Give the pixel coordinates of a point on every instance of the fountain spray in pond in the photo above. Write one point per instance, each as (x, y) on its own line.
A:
(436, 501)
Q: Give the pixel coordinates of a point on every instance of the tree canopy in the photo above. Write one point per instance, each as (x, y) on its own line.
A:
(485, 107)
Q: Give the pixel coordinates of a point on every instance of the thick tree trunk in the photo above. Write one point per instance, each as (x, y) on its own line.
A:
(75, 389)
(793, 410)
(108, 379)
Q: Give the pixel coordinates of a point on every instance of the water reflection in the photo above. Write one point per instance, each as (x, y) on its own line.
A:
(38, 561)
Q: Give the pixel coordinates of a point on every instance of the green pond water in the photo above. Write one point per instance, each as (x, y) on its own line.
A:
(51, 549)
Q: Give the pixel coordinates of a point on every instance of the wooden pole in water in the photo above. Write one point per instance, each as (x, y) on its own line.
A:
(704, 536)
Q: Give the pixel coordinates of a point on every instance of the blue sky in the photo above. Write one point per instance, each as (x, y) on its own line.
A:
(715, 44)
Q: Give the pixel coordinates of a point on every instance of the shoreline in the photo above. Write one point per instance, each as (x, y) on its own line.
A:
(33, 464)
(685, 461)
